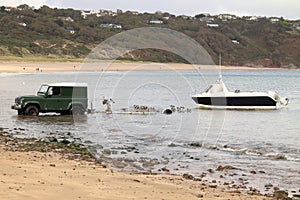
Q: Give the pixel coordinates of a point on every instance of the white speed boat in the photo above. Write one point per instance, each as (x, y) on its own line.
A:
(217, 96)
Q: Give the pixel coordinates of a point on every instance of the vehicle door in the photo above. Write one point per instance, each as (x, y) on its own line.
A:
(54, 99)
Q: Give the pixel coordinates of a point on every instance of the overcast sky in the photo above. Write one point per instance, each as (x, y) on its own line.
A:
(289, 9)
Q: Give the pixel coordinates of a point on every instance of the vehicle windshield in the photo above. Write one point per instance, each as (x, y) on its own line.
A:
(43, 89)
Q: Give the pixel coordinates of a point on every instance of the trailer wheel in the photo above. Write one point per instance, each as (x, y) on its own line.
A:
(77, 110)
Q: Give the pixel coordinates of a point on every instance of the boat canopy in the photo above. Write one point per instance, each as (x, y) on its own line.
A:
(218, 87)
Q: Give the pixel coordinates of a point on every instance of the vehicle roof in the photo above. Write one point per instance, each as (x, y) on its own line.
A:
(67, 84)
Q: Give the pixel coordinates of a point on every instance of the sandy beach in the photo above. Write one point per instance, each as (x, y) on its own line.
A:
(30, 67)
(33, 169)
(34, 175)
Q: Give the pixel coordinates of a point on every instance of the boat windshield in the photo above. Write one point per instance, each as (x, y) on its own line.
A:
(43, 89)
(207, 90)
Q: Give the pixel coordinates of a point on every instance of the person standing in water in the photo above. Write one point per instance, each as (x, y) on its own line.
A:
(108, 103)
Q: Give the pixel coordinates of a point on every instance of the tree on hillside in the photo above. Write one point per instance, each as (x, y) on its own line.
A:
(24, 7)
(199, 16)
(46, 10)
(2, 9)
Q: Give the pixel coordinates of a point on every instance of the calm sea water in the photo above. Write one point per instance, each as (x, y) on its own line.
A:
(266, 142)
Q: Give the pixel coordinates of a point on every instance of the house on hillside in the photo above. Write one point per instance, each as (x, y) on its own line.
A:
(235, 42)
(68, 19)
(70, 30)
(227, 17)
(119, 11)
(274, 19)
(155, 21)
(23, 24)
(213, 25)
(9, 9)
(117, 26)
(253, 18)
(133, 12)
(102, 13)
(250, 18)
(114, 26)
(85, 13)
(296, 25)
(207, 19)
(184, 16)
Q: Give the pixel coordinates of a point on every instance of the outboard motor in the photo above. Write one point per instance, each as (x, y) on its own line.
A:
(284, 101)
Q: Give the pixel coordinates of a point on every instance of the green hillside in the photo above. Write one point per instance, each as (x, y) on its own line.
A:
(68, 34)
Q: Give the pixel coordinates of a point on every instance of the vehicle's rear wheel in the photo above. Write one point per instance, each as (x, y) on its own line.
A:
(32, 110)
(77, 110)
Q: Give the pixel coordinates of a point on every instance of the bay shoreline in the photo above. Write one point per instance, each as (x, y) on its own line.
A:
(30, 163)
(61, 168)
(32, 67)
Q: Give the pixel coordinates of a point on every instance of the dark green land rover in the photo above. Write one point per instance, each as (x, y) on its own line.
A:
(63, 98)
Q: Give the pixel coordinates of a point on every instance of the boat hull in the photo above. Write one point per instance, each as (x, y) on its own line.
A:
(236, 103)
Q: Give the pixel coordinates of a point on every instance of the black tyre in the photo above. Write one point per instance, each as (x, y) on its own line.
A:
(32, 110)
(77, 110)
(20, 112)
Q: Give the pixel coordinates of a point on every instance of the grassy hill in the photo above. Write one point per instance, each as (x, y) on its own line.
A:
(67, 34)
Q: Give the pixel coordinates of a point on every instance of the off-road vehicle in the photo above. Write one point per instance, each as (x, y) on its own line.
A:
(63, 98)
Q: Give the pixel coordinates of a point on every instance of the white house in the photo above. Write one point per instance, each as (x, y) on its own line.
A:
(155, 21)
(253, 18)
(274, 19)
(85, 13)
(235, 42)
(213, 25)
(134, 12)
(115, 26)
(296, 25)
(68, 19)
(23, 24)
(227, 17)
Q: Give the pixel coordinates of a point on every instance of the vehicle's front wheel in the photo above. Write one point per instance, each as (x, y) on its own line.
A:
(77, 110)
(20, 112)
(32, 110)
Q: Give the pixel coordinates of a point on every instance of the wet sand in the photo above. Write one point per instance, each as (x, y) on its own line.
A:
(30, 67)
(34, 169)
(34, 175)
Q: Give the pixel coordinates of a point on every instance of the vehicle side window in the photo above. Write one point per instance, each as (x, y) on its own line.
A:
(56, 91)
